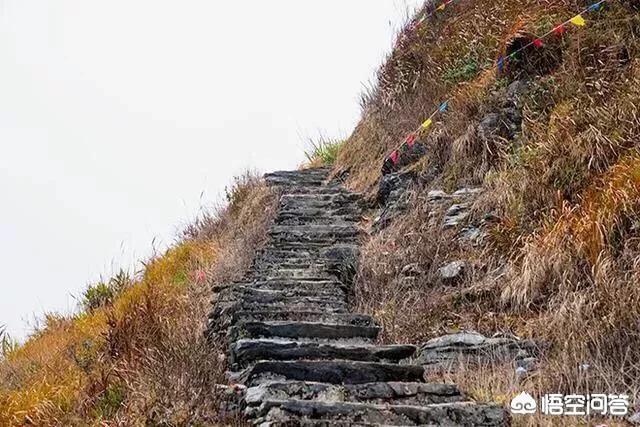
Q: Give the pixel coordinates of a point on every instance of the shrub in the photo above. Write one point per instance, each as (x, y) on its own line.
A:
(324, 152)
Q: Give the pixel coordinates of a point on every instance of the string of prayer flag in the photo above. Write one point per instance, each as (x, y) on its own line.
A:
(559, 30)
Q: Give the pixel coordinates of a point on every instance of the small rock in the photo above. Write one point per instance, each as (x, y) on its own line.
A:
(634, 419)
(527, 363)
(467, 192)
(521, 373)
(457, 339)
(472, 234)
(412, 270)
(452, 271)
(455, 215)
(436, 195)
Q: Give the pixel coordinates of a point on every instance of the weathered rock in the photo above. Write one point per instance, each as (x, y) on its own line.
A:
(377, 393)
(452, 271)
(287, 329)
(456, 215)
(393, 193)
(459, 414)
(245, 351)
(331, 371)
(446, 351)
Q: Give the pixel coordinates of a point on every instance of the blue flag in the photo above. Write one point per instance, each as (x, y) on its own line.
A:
(500, 64)
(595, 7)
(443, 107)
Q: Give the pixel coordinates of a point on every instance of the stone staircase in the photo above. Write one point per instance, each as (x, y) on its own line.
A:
(304, 358)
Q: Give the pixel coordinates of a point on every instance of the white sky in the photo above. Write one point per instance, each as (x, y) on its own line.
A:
(116, 115)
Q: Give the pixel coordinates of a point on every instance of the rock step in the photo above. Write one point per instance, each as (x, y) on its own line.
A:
(266, 296)
(291, 304)
(344, 196)
(291, 263)
(330, 371)
(315, 177)
(280, 284)
(286, 329)
(303, 316)
(298, 220)
(449, 414)
(246, 351)
(309, 246)
(290, 273)
(339, 230)
(376, 393)
(325, 286)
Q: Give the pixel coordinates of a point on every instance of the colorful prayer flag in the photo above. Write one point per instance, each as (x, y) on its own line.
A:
(394, 156)
(595, 7)
(443, 107)
(427, 123)
(500, 64)
(441, 7)
(559, 30)
(411, 139)
(538, 43)
(578, 21)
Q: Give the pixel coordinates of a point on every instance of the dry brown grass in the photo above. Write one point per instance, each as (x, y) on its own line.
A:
(561, 263)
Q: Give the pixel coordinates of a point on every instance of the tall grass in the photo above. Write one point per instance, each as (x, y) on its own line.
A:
(323, 152)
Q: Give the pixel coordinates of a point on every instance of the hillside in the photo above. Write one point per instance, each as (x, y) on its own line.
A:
(511, 212)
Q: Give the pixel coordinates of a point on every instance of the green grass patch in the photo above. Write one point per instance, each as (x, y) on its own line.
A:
(324, 151)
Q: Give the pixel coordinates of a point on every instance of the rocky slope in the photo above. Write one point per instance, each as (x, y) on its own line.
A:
(303, 357)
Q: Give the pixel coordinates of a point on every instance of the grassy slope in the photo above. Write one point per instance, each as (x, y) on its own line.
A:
(141, 357)
(562, 263)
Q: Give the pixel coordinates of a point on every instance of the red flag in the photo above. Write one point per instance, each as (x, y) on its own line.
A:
(559, 30)
(538, 43)
(394, 156)
(411, 139)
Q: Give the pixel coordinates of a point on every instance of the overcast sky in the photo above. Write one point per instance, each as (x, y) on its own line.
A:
(116, 115)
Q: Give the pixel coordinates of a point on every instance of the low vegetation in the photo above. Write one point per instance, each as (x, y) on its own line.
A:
(562, 258)
(135, 353)
(323, 152)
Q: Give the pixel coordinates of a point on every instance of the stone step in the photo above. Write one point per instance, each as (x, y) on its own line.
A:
(286, 329)
(291, 273)
(303, 316)
(311, 246)
(258, 295)
(312, 177)
(278, 299)
(287, 284)
(308, 206)
(290, 263)
(447, 414)
(330, 371)
(296, 220)
(398, 393)
(247, 351)
(343, 196)
(292, 304)
(316, 230)
(281, 284)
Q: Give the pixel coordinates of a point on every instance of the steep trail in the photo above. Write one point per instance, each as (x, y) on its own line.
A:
(304, 358)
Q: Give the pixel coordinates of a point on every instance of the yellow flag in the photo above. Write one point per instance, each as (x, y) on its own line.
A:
(578, 20)
(426, 123)
(441, 7)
